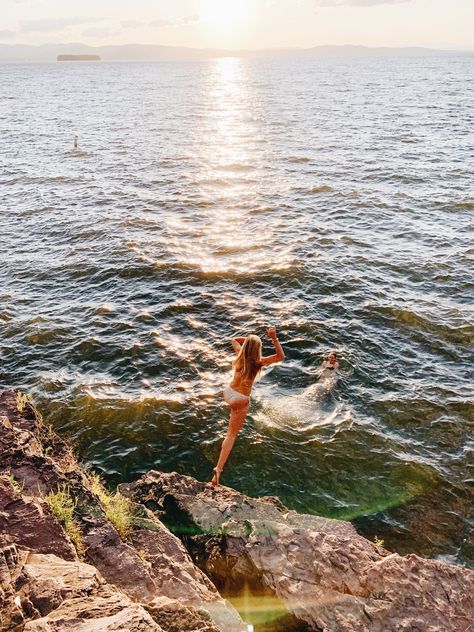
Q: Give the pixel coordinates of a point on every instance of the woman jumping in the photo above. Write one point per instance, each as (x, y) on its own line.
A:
(247, 366)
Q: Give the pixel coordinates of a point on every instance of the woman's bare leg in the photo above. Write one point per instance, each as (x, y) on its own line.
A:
(238, 413)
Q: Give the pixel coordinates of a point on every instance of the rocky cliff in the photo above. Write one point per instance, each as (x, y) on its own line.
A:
(164, 552)
(67, 562)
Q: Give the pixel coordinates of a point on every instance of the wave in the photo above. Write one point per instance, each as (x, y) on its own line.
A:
(236, 167)
(461, 205)
(49, 336)
(235, 250)
(460, 334)
(79, 153)
(321, 188)
(296, 418)
(224, 182)
(305, 410)
(261, 210)
(298, 159)
(45, 180)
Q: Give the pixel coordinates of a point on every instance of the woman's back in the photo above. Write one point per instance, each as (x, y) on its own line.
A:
(241, 383)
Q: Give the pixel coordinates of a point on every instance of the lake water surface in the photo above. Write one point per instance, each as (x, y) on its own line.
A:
(330, 197)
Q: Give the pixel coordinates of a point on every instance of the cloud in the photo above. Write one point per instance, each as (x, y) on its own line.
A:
(7, 35)
(356, 3)
(131, 24)
(53, 24)
(191, 19)
(99, 31)
(186, 20)
(160, 23)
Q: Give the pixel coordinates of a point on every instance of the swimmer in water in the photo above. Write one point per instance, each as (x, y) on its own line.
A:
(247, 367)
(330, 363)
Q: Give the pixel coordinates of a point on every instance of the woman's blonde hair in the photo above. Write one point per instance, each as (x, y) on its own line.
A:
(249, 361)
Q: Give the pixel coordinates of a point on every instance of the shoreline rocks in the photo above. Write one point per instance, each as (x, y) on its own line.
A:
(187, 548)
(137, 580)
(324, 573)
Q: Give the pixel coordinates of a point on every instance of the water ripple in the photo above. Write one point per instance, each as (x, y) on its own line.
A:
(332, 198)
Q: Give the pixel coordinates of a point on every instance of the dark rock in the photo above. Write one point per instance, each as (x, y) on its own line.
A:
(119, 562)
(28, 523)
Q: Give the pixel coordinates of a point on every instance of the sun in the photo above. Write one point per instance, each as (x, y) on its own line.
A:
(230, 15)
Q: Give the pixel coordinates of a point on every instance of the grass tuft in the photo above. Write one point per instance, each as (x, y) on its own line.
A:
(379, 543)
(63, 505)
(17, 486)
(22, 399)
(118, 509)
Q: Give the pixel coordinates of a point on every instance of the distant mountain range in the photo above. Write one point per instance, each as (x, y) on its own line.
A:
(142, 52)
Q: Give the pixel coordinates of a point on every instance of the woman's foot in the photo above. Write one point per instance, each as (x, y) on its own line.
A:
(215, 477)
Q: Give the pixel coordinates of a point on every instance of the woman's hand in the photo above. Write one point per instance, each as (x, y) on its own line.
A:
(279, 355)
(271, 332)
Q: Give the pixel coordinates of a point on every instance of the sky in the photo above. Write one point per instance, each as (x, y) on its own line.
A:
(235, 24)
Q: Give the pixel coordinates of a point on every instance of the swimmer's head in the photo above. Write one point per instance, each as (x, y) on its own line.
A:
(332, 357)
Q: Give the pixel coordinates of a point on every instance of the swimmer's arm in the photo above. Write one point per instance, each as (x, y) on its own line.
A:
(279, 355)
(237, 344)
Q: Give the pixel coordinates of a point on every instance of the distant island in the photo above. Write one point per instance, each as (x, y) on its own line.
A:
(78, 58)
(75, 51)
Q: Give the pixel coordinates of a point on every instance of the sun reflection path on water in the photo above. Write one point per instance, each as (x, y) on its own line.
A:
(225, 152)
(221, 234)
(229, 109)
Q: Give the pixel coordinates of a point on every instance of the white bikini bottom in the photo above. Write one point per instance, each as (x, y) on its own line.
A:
(230, 396)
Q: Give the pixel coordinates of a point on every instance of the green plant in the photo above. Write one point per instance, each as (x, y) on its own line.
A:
(204, 614)
(379, 543)
(118, 509)
(17, 486)
(22, 399)
(49, 434)
(63, 505)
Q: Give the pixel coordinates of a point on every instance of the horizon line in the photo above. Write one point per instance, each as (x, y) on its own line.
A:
(235, 50)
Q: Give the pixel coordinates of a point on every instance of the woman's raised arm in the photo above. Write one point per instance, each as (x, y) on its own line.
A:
(279, 354)
(237, 344)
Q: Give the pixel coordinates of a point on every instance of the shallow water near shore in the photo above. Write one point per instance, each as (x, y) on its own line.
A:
(330, 197)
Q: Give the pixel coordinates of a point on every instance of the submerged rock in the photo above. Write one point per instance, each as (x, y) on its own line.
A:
(325, 574)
